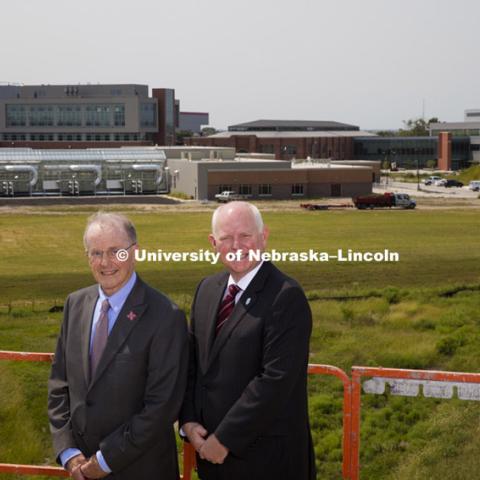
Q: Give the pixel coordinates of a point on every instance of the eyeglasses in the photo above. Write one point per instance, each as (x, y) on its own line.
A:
(112, 254)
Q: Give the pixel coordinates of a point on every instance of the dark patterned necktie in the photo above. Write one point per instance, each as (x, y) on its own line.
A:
(226, 306)
(100, 338)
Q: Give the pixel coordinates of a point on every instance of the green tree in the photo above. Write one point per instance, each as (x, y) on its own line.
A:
(416, 127)
(387, 133)
(208, 131)
(181, 135)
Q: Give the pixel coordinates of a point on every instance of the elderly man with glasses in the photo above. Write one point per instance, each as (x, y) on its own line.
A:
(118, 376)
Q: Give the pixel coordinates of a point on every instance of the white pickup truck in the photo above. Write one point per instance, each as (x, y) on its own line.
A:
(229, 196)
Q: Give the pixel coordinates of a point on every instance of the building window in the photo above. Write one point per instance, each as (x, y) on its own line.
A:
(119, 115)
(289, 149)
(98, 115)
(297, 189)
(335, 190)
(40, 116)
(148, 117)
(69, 116)
(245, 190)
(16, 116)
(224, 188)
(267, 148)
(265, 189)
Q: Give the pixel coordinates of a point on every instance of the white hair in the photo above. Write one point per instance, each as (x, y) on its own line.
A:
(257, 216)
(116, 220)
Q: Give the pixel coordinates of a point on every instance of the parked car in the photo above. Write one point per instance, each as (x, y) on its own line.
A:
(474, 185)
(229, 196)
(430, 180)
(453, 183)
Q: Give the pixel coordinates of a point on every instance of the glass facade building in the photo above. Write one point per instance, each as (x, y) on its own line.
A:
(407, 151)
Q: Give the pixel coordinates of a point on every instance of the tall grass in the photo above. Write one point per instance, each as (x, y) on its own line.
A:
(422, 312)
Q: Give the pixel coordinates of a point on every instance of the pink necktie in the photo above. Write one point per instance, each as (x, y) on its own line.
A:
(100, 338)
(226, 306)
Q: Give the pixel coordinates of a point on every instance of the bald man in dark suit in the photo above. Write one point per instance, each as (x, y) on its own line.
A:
(245, 409)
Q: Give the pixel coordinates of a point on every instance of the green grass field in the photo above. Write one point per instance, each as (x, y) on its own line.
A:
(422, 312)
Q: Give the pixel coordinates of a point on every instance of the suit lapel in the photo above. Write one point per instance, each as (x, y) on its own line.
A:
(246, 302)
(213, 303)
(127, 319)
(86, 328)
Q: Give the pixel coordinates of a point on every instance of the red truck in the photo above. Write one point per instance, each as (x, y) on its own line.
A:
(377, 200)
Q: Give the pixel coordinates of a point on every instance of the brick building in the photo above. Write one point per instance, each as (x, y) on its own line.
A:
(286, 139)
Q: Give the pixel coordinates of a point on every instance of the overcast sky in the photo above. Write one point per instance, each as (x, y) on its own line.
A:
(371, 62)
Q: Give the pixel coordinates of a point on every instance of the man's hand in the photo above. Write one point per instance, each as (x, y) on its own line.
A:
(73, 466)
(213, 451)
(196, 434)
(92, 469)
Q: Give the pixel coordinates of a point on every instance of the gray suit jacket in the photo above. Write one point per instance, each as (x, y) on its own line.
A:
(128, 409)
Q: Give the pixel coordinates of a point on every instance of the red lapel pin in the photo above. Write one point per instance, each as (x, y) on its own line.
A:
(132, 316)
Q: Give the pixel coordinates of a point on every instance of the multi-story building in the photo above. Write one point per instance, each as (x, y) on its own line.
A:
(80, 116)
(192, 121)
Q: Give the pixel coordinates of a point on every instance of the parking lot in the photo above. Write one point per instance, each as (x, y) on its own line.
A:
(422, 190)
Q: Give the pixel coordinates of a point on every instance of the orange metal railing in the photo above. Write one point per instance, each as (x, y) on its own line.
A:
(440, 388)
(434, 383)
(189, 461)
(347, 410)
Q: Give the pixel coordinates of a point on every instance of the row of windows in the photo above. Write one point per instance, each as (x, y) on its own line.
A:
(72, 137)
(469, 132)
(264, 189)
(362, 150)
(316, 150)
(93, 115)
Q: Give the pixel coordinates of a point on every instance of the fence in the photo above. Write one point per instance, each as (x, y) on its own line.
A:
(401, 382)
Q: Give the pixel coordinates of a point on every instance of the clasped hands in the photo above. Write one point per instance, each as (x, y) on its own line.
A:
(209, 448)
(81, 468)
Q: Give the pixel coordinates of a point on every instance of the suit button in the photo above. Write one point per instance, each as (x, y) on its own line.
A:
(80, 433)
(89, 403)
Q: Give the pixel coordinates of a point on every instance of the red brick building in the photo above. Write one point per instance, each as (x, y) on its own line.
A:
(287, 139)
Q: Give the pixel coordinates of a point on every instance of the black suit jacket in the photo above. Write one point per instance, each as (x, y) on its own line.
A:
(128, 409)
(248, 385)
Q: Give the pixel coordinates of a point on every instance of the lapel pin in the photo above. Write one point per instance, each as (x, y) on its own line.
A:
(247, 301)
(132, 316)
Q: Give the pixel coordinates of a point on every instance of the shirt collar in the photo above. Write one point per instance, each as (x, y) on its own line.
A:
(244, 282)
(117, 300)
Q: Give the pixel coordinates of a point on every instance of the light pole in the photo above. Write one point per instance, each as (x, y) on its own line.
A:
(418, 168)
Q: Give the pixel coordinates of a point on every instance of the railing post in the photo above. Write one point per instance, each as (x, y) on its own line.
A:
(355, 425)
(189, 461)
